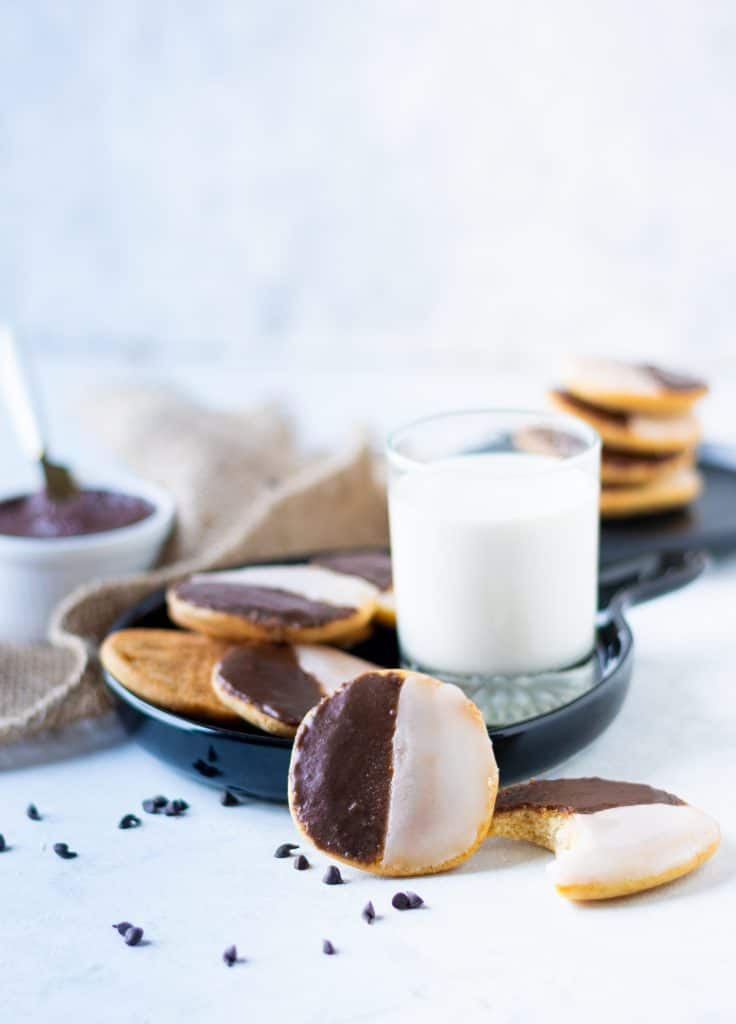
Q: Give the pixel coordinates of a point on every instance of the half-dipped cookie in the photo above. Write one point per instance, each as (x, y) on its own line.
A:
(633, 387)
(660, 495)
(395, 774)
(633, 468)
(372, 564)
(274, 604)
(609, 838)
(632, 431)
(171, 669)
(273, 686)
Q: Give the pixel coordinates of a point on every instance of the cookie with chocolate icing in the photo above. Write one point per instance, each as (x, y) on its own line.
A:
(660, 495)
(633, 387)
(632, 431)
(273, 686)
(394, 773)
(609, 838)
(274, 604)
(632, 468)
(171, 669)
(372, 564)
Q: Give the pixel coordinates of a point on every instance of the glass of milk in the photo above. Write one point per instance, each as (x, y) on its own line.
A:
(494, 543)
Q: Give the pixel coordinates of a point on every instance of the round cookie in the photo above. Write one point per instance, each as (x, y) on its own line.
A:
(394, 773)
(631, 468)
(171, 669)
(372, 564)
(661, 495)
(631, 431)
(633, 387)
(273, 686)
(609, 838)
(274, 604)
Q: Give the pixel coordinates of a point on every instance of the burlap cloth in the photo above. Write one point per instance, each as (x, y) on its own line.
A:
(242, 490)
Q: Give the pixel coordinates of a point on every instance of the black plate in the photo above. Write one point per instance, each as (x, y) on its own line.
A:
(709, 524)
(256, 763)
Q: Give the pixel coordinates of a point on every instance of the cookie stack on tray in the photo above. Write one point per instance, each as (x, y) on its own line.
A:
(644, 415)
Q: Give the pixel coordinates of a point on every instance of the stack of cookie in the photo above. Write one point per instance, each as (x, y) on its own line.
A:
(644, 415)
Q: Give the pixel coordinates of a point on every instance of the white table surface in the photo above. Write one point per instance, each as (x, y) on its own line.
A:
(495, 942)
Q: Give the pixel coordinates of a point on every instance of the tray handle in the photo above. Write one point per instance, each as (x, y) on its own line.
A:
(626, 584)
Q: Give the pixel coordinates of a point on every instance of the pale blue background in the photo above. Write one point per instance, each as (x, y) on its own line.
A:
(429, 184)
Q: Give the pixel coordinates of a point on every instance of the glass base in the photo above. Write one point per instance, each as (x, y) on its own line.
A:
(506, 700)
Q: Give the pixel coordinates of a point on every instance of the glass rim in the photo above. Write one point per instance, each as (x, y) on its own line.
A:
(588, 434)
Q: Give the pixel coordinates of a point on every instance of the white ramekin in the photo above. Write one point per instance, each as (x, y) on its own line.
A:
(35, 572)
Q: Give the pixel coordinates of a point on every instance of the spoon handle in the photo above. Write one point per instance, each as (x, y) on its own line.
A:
(14, 381)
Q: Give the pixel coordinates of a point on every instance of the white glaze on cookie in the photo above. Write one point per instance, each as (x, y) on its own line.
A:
(634, 842)
(442, 763)
(330, 666)
(309, 581)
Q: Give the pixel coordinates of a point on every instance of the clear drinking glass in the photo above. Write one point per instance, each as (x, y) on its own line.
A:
(494, 543)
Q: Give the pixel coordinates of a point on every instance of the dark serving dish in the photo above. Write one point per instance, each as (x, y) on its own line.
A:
(572, 713)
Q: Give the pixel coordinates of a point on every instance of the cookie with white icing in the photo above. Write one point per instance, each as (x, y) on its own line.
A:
(273, 686)
(634, 468)
(609, 838)
(274, 604)
(395, 774)
(372, 564)
(632, 431)
(660, 495)
(633, 387)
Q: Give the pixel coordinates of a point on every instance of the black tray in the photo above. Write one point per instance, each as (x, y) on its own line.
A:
(709, 524)
(583, 703)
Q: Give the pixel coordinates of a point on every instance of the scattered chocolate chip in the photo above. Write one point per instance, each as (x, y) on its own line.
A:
(207, 770)
(3, 844)
(154, 804)
(175, 807)
(400, 901)
(301, 863)
(129, 821)
(368, 913)
(32, 812)
(133, 936)
(327, 948)
(62, 850)
(211, 753)
(285, 850)
(332, 876)
(230, 956)
(122, 927)
(414, 900)
(229, 799)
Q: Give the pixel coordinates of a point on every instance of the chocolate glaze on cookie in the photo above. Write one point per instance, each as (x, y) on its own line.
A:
(579, 796)
(372, 564)
(270, 677)
(350, 755)
(266, 606)
(621, 418)
(668, 380)
(90, 511)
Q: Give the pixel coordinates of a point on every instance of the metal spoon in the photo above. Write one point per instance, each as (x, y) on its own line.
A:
(16, 388)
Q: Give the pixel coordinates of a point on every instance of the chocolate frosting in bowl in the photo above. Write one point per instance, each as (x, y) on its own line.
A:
(267, 606)
(87, 512)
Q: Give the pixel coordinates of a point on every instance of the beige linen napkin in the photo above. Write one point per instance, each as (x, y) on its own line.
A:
(242, 491)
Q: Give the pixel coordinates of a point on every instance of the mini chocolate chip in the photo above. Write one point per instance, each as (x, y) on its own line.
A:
(327, 948)
(332, 876)
(122, 927)
(62, 850)
(285, 850)
(230, 956)
(133, 936)
(175, 807)
(368, 913)
(3, 844)
(154, 804)
(301, 863)
(229, 799)
(400, 901)
(129, 821)
(181, 805)
(415, 901)
(32, 812)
